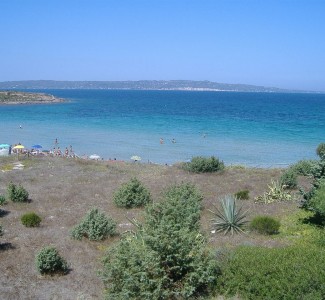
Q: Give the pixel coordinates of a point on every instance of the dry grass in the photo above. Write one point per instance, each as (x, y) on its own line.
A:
(63, 190)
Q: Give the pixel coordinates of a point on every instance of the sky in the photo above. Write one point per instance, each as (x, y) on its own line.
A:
(279, 43)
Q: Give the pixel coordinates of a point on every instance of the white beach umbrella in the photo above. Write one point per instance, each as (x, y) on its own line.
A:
(94, 156)
(135, 157)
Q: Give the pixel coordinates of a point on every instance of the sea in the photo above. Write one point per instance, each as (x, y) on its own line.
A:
(167, 127)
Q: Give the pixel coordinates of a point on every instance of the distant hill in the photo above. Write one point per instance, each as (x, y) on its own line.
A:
(141, 85)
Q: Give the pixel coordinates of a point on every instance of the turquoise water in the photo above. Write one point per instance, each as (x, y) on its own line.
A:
(254, 129)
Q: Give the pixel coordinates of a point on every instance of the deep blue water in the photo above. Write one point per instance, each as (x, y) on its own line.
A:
(256, 129)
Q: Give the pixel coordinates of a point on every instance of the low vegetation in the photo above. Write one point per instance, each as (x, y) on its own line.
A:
(31, 219)
(48, 261)
(132, 194)
(276, 193)
(17, 193)
(265, 225)
(95, 226)
(230, 218)
(199, 164)
(242, 195)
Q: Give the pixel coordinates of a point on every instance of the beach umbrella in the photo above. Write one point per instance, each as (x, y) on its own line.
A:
(19, 147)
(94, 156)
(37, 147)
(135, 157)
(4, 146)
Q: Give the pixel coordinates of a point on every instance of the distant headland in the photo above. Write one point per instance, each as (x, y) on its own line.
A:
(13, 97)
(183, 85)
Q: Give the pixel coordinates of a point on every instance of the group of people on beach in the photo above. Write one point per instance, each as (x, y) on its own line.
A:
(56, 151)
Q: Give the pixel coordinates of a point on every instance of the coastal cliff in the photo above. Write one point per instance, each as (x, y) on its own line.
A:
(13, 97)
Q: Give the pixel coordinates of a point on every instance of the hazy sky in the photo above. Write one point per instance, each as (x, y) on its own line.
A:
(272, 43)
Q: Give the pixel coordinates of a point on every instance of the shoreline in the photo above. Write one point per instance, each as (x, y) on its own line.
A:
(18, 98)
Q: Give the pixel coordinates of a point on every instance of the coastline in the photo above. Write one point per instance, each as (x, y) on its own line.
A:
(16, 98)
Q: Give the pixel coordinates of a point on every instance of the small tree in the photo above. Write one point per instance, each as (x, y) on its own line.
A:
(48, 261)
(321, 150)
(132, 194)
(95, 226)
(17, 193)
(200, 164)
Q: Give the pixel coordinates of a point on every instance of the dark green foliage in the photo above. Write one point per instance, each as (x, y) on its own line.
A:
(303, 167)
(17, 193)
(2, 200)
(30, 219)
(94, 226)
(321, 150)
(265, 225)
(242, 195)
(167, 258)
(289, 179)
(48, 261)
(132, 194)
(229, 218)
(200, 164)
(317, 201)
(280, 273)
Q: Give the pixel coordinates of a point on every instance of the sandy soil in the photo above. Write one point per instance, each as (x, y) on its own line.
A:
(63, 190)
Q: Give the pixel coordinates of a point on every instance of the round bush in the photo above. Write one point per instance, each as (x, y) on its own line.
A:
(200, 164)
(48, 261)
(242, 195)
(265, 225)
(17, 193)
(30, 220)
(132, 194)
(94, 226)
(289, 179)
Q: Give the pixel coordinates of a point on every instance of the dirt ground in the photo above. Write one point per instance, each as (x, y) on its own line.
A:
(63, 190)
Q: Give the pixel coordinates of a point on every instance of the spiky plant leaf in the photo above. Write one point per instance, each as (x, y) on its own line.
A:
(229, 218)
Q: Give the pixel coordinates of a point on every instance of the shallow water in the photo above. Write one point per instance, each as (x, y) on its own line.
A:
(255, 129)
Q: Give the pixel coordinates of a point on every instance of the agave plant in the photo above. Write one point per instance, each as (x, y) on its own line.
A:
(229, 218)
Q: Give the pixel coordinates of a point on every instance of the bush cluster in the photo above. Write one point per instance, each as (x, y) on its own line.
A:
(279, 273)
(95, 226)
(265, 225)
(48, 261)
(2, 200)
(289, 179)
(132, 194)
(321, 150)
(199, 164)
(317, 201)
(303, 167)
(167, 258)
(17, 193)
(31, 219)
(242, 195)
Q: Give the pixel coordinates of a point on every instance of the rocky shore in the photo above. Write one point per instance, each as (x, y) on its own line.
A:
(14, 97)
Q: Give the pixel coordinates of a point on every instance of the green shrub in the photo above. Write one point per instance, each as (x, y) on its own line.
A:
(201, 164)
(48, 261)
(132, 194)
(303, 167)
(2, 200)
(321, 150)
(94, 226)
(289, 179)
(265, 225)
(276, 193)
(30, 219)
(317, 202)
(168, 258)
(17, 193)
(274, 273)
(229, 218)
(242, 195)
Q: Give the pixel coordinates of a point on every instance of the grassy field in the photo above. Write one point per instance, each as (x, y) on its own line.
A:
(63, 190)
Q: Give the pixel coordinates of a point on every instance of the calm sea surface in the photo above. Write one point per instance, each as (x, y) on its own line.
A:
(254, 129)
